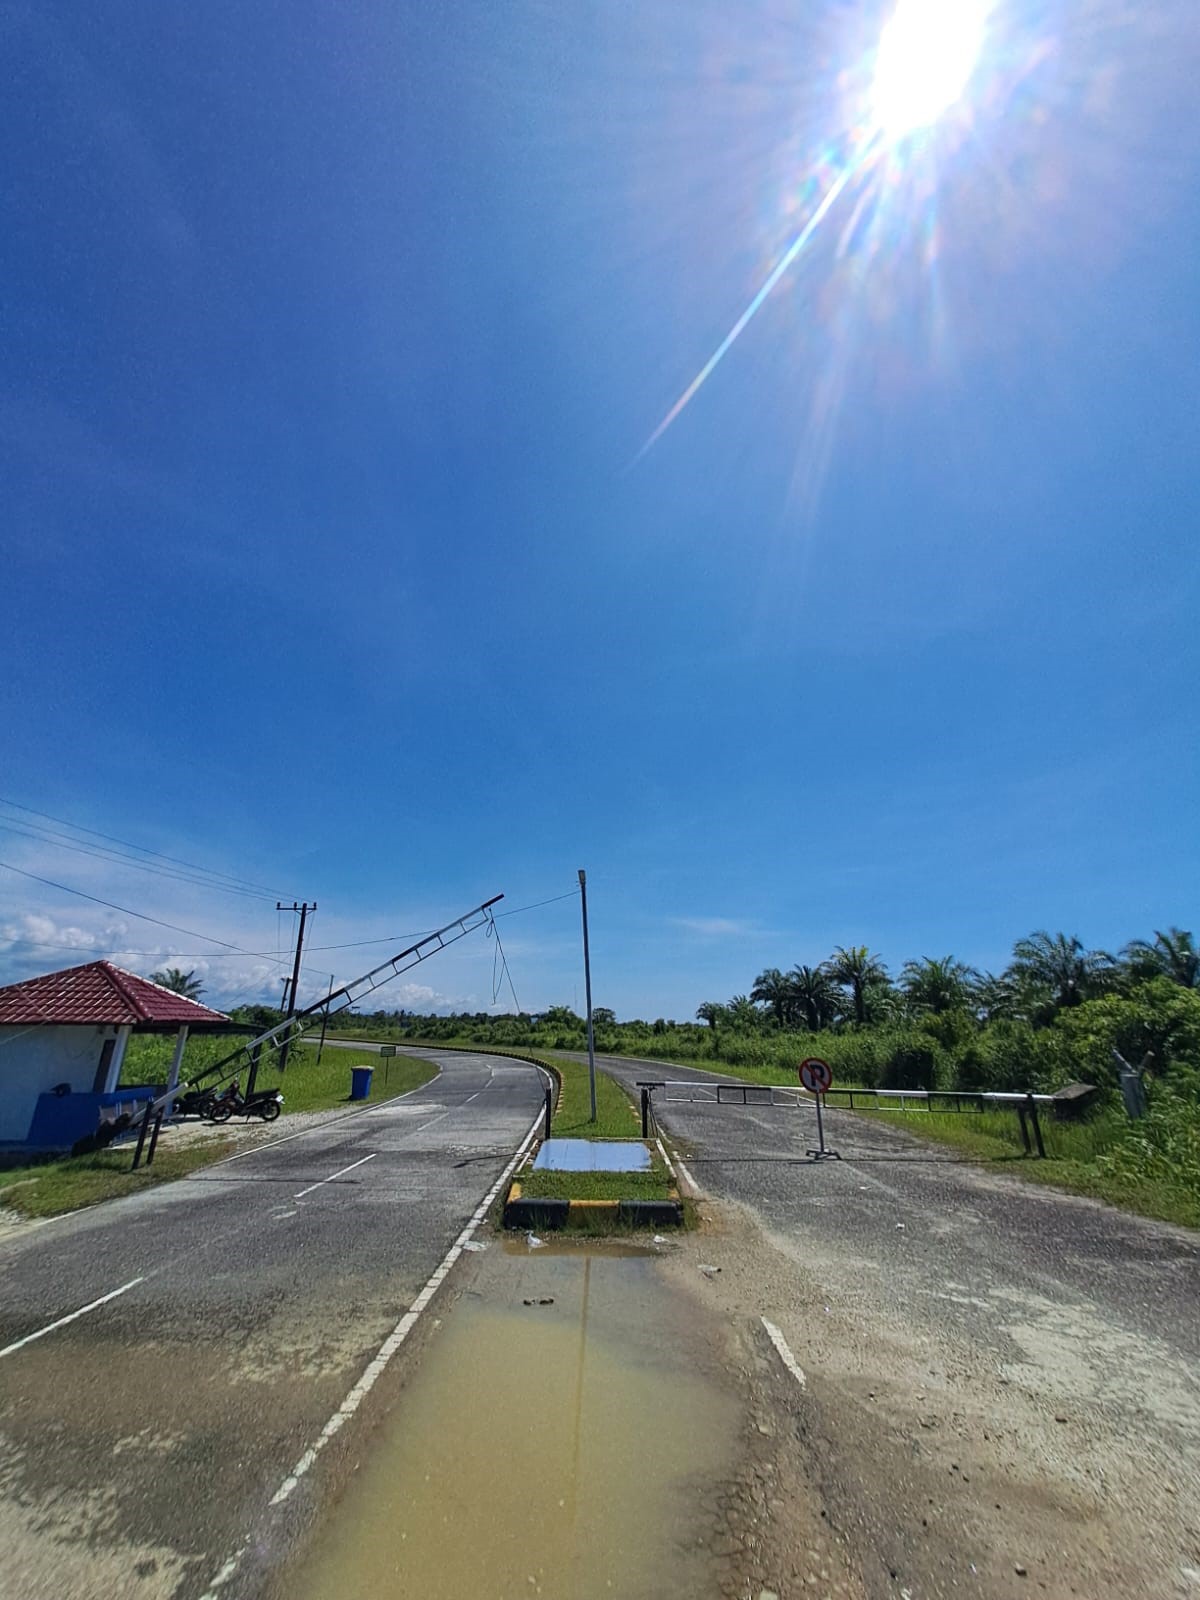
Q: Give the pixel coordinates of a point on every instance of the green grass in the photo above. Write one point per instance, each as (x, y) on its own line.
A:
(655, 1185)
(50, 1187)
(309, 1087)
(46, 1188)
(616, 1115)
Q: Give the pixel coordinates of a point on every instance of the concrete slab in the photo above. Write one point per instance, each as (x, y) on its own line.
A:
(593, 1155)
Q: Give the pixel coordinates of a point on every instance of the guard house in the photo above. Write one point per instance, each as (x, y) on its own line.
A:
(62, 1045)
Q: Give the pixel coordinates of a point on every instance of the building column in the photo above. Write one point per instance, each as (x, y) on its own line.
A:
(176, 1063)
(118, 1058)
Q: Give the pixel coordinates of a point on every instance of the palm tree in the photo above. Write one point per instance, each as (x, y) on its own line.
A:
(711, 1011)
(185, 983)
(742, 1012)
(858, 970)
(1172, 955)
(772, 989)
(938, 985)
(816, 995)
(1062, 966)
(995, 996)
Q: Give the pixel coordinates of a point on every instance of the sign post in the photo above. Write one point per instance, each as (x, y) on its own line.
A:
(816, 1076)
(387, 1051)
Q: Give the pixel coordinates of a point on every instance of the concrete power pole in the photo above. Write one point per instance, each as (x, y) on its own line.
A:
(289, 1005)
(587, 982)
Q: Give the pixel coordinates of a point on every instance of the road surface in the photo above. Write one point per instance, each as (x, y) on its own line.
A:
(1006, 1376)
(224, 1319)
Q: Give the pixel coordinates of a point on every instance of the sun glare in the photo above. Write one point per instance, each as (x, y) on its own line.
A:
(927, 52)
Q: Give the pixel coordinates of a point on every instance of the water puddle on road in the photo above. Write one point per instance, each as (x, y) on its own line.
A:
(560, 1447)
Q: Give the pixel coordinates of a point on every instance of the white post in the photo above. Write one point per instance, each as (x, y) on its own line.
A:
(176, 1063)
(118, 1058)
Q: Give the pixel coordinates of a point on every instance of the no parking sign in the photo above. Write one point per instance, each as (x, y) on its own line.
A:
(816, 1075)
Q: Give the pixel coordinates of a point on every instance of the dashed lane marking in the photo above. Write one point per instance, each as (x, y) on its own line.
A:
(73, 1316)
(785, 1355)
(341, 1173)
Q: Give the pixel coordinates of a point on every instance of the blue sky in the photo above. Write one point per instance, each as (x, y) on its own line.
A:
(332, 335)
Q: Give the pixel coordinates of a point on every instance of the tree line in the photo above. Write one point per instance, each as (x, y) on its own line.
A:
(1048, 973)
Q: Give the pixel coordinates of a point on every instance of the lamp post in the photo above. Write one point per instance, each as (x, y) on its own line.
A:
(587, 982)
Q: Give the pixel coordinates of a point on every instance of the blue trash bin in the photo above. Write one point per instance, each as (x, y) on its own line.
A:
(360, 1082)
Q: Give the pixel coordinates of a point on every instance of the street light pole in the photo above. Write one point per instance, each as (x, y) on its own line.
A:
(587, 981)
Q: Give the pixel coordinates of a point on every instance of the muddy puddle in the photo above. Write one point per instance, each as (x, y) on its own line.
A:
(558, 1438)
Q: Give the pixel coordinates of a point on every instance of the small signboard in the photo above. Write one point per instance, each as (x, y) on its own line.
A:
(387, 1049)
(816, 1075)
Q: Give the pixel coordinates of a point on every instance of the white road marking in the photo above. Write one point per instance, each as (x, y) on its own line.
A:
(785, 1355)
(375, 1368)
(339, 1174)
(62, 1321)
(662, 1150)
(691, 1182)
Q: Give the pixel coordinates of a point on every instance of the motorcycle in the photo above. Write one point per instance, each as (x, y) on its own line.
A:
(194, 1102)
(264, 1103)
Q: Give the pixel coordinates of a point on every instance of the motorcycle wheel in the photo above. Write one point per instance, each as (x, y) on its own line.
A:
(269, 1110)
(220, 1113)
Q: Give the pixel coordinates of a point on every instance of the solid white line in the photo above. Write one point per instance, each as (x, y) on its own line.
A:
(339, 1174)
(785, 1355)
(62, 1321)
(375, 1368)
(400, 1332)
(691, 1182)
(662, 1150)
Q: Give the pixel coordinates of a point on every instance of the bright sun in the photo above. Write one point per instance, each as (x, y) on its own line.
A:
(927, 52)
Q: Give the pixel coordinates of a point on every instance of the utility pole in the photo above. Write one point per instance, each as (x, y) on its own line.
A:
(587, 982)
(289, 1005)
(324, 1022)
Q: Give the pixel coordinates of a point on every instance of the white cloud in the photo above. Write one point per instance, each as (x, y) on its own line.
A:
(717, 927)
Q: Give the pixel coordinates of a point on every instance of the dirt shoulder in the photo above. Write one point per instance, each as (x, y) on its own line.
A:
(943, 1465)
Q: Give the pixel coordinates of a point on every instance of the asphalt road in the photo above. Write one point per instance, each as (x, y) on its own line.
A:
(143, 1440)
(950, 1313)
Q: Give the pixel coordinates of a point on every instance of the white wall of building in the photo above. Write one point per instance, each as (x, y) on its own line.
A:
(33, 1060)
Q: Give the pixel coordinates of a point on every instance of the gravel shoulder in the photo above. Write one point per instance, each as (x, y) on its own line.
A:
(1002, 1382)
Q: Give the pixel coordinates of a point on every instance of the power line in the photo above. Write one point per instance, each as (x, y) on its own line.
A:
(234, 950)
(61, 841)
(125, 910)
(141, 848)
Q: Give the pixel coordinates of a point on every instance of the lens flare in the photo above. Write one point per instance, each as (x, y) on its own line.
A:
(926, 57)
(927, 53)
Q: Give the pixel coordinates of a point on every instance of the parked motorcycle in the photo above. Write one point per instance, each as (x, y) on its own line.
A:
(194, 1102)
(264, 1103)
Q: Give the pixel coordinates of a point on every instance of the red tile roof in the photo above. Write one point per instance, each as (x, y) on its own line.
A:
(97, 994)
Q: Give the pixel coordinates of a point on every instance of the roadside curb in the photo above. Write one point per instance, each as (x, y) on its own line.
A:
(522, 1212)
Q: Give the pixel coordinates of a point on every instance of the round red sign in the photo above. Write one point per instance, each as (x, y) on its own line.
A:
(816, 1075)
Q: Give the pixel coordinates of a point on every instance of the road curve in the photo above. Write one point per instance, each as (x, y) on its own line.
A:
(201, 1334)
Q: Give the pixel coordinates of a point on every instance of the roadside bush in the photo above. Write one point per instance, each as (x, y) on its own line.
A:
(912, 1063)
(1163, 1147)
(1158, 1016)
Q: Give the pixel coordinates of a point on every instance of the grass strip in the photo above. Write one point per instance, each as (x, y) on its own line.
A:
(543, 1185)
(51, 1187)
(309, 1087)
(617, 1117)
(47, 1188)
